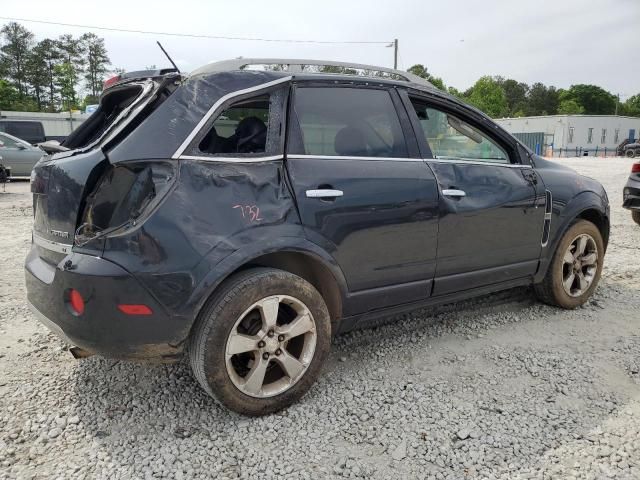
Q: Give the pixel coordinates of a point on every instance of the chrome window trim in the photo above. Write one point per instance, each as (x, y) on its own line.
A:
(51, 245)
(183, 146)
(202, 158)
(477, 162)
(354, 157)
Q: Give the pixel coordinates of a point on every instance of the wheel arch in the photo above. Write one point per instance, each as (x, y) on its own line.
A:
(587, 206)
(301, 258)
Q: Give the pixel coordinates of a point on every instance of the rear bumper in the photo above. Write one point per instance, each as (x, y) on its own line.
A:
(102, 328)
(631, 195)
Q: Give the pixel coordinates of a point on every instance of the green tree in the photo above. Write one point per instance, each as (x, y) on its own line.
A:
(49, 53)
(542, 100)
(96, 62)
(594, 99)
(488, 96)
(632, 106)
(8, 95)
(516, 93)
(36, 76)
(14, 54)
(570, 107)
(421, 71)
(66, 79)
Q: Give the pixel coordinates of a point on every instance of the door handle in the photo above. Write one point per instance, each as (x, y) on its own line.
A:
(453, 192)
(324, 193)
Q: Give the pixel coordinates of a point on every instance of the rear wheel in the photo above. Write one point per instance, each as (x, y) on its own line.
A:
(635, 214)
(576, 267)
(261, 341)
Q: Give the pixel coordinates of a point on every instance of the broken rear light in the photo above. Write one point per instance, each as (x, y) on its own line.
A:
(111, 81)
(123, 196)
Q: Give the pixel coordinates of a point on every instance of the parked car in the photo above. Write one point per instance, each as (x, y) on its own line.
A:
(285, 207)
(19, 155)
(631, 193)
(28, 130)
(632, 150)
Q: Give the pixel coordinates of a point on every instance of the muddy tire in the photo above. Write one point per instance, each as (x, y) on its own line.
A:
(260, 341)
(576, 267)
(635, 215)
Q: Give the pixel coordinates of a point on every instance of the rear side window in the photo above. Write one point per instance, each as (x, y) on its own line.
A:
(250, 127)
(356, 122)
(7, 142)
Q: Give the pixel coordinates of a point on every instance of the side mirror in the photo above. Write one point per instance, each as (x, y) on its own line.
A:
(21, 147)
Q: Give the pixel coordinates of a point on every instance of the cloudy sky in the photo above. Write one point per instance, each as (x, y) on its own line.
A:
(557, 42)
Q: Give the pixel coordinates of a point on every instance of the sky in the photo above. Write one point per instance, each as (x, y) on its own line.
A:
(556, 42)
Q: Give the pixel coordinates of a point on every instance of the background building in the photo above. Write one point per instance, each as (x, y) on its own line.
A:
(566, 134)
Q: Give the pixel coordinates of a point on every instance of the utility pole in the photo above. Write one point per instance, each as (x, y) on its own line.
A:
(395, 53)
(617, 102)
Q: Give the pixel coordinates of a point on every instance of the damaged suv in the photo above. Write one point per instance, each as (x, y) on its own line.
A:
(245, 214)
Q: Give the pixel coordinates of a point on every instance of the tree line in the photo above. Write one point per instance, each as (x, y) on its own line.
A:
(504, 97)
(50, 75)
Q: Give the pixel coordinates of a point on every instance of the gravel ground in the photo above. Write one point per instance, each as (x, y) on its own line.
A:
(500, 387)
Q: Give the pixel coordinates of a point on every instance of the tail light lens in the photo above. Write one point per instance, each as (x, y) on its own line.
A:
(110, 81)
(75, 302)
(123, 196)
(135, 309)
(635, 168)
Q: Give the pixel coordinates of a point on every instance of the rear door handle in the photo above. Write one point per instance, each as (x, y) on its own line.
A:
(453, 192)
(324, 193)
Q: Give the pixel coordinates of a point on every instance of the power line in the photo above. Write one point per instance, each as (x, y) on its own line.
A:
(195, 35)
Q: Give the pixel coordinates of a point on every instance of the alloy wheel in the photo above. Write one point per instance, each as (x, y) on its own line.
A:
(579, 265)
(270, 346)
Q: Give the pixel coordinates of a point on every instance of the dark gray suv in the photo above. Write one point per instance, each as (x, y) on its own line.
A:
(247, 213)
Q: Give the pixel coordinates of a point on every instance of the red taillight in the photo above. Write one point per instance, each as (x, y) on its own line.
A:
(130, 309)
(76, 302)
(110, 81)
(635, 168)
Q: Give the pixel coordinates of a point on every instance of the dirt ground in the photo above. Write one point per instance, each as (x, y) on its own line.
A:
(500, 387)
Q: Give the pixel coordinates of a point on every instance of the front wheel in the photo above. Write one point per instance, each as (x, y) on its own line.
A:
(630, 153)
(576, 267)
(635, 214)
(260, 342)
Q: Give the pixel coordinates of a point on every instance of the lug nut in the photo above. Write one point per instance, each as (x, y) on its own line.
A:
(265, 355)
(270, 333)
(278, 352)
(261, 344)
(281, 338)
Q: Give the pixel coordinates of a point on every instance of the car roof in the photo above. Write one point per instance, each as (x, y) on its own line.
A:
(311, 69)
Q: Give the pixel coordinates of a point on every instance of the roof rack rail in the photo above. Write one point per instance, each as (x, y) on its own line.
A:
(312, 66)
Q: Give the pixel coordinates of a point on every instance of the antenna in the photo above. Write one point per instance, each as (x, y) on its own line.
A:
(167, 55)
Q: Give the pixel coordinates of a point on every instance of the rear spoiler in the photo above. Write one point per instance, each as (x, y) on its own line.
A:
(137, 74)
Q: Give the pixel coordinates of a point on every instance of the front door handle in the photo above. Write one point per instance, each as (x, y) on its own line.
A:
(453, 192)
(324, 193)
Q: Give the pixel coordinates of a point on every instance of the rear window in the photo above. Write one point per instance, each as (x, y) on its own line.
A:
(111, 107)
(31, 132)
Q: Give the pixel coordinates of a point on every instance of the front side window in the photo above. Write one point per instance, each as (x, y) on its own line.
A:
(450, 137)
(249, 127)
(7, 142)
(590, 136)
(355, 122)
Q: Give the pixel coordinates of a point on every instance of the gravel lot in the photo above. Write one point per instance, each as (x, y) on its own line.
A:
(500, 387)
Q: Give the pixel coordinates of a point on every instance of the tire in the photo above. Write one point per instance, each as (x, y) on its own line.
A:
(552, 289)
(241, 316)
(635, 214)
(630, 153)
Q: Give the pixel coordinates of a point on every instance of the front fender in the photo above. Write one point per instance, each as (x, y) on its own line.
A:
(564, 213)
